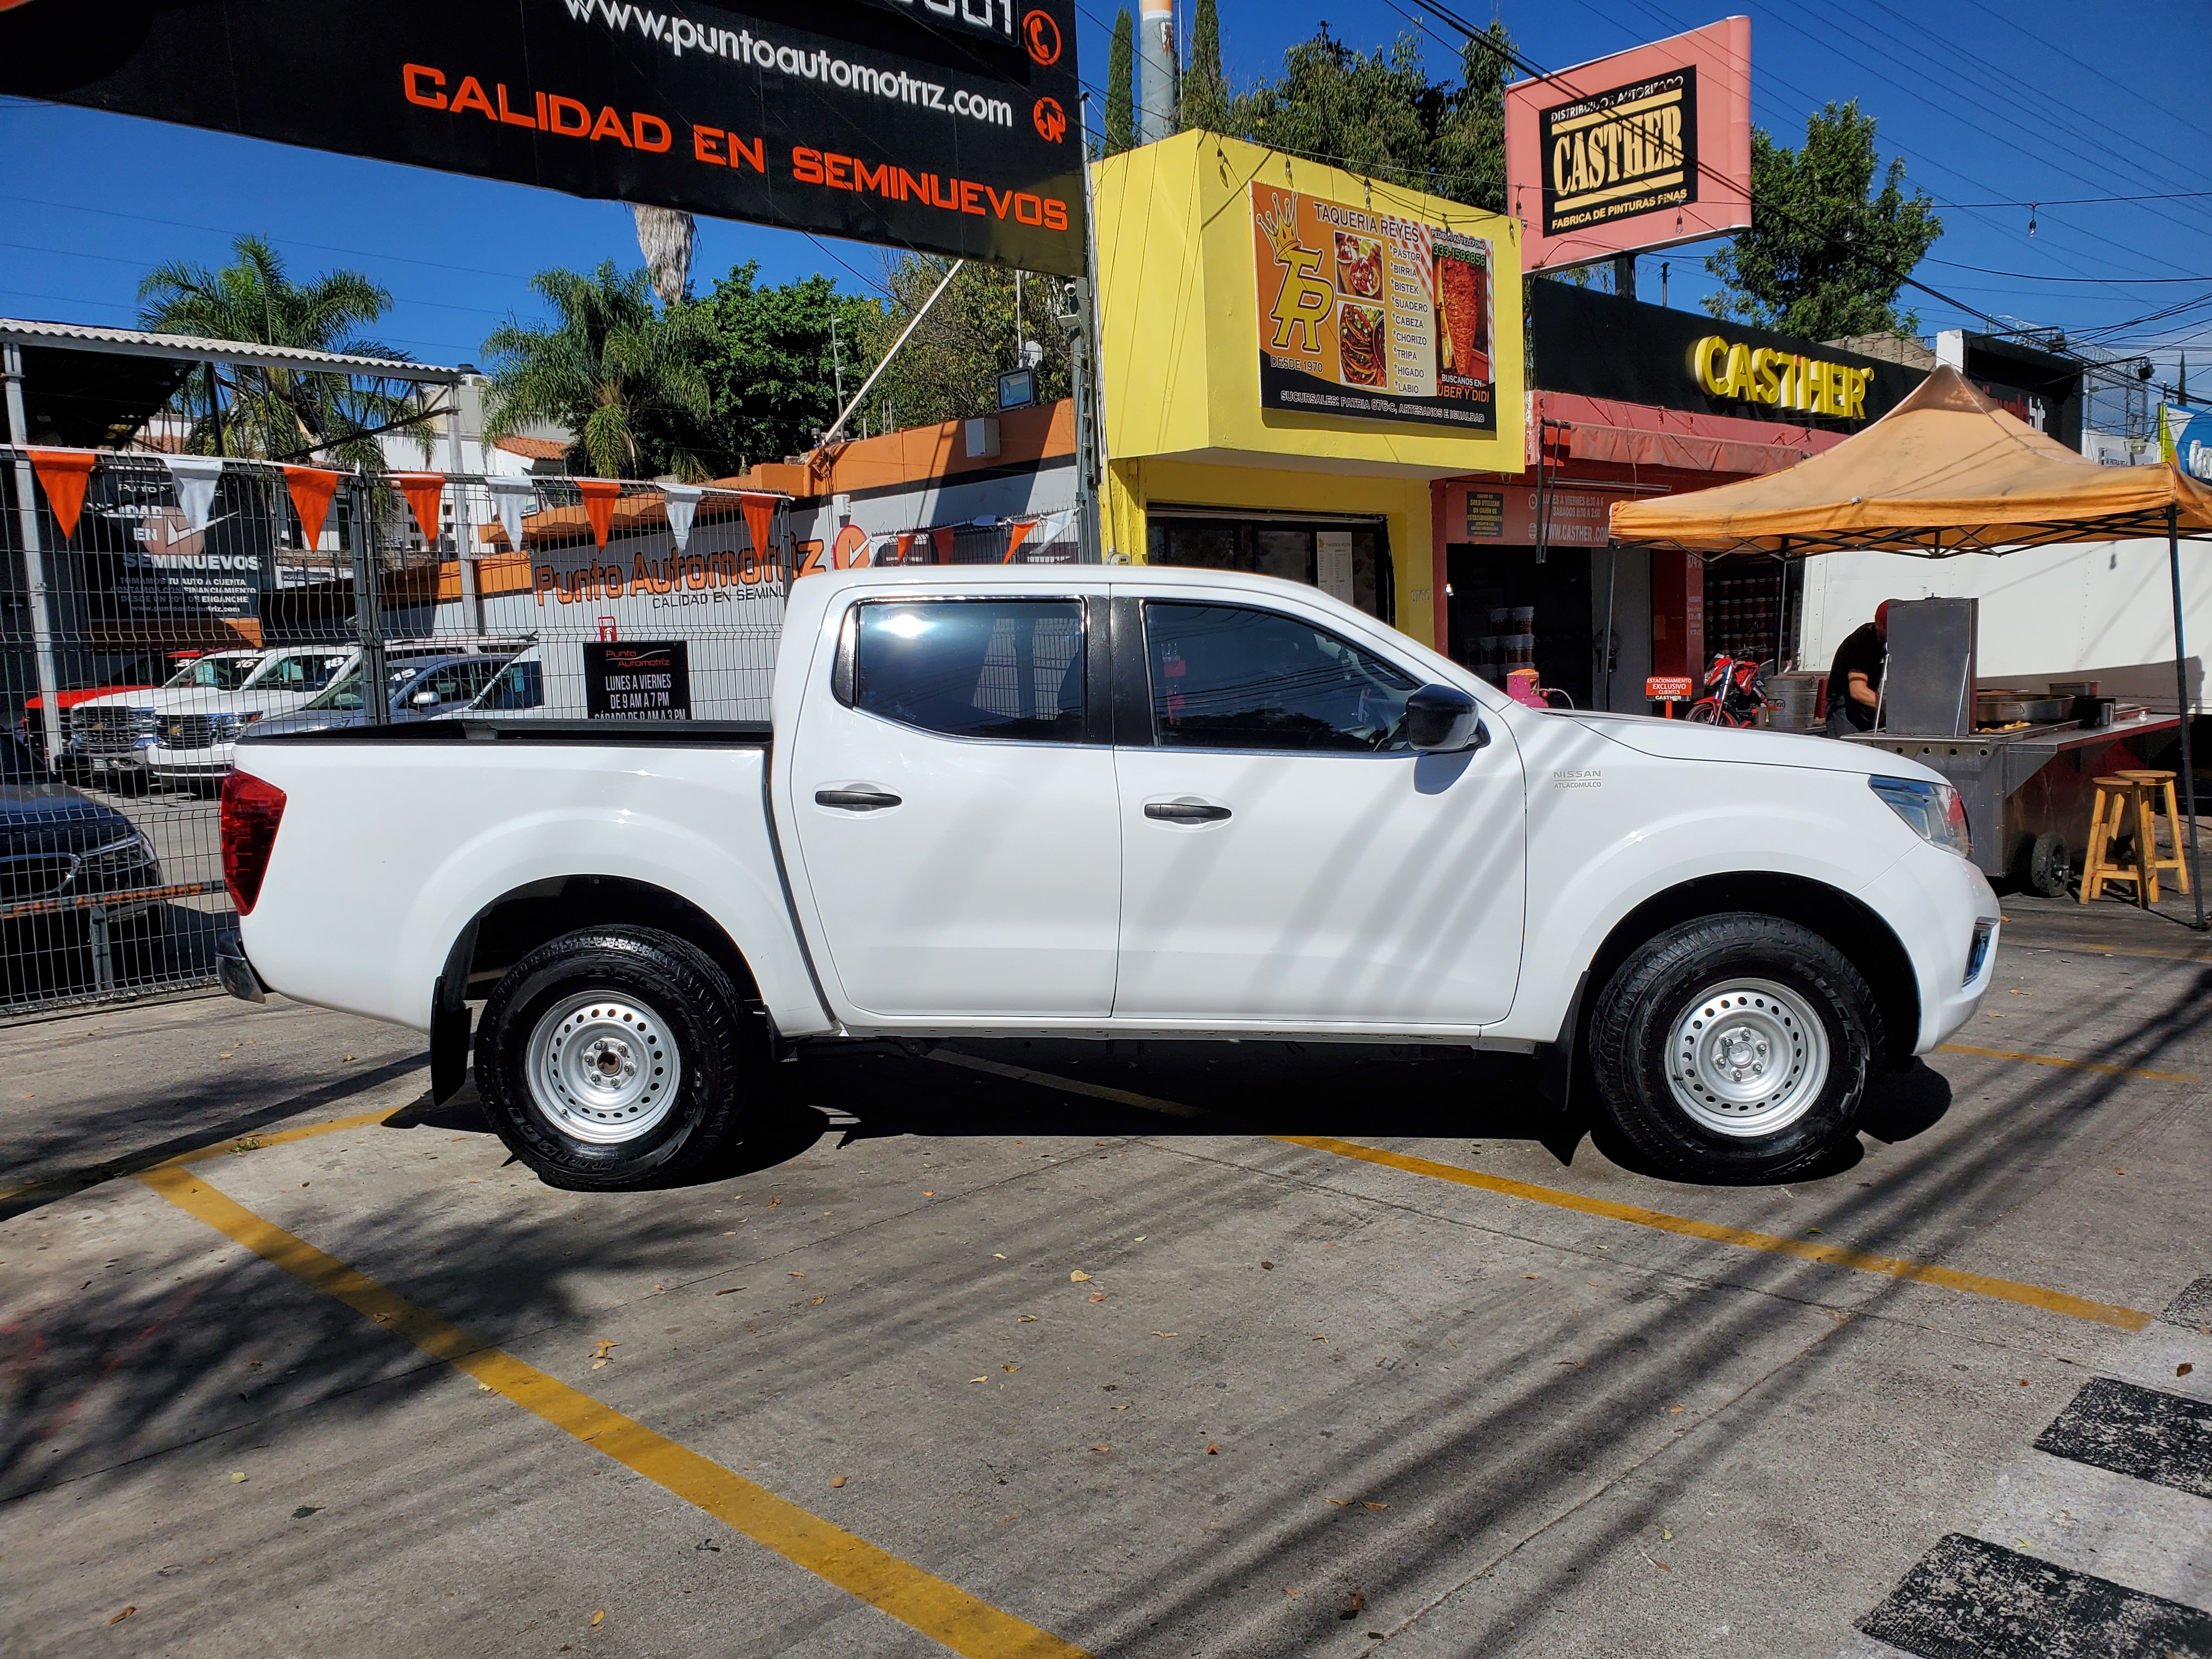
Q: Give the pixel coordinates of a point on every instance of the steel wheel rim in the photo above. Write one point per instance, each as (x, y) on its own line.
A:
(605, 1069)
(1748, 1058)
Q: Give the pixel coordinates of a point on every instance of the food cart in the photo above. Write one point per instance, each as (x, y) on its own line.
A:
(1948, 472)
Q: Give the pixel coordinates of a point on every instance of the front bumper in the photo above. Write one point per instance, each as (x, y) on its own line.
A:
(236, 973)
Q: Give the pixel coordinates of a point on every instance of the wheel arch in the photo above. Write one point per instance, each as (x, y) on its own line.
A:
(1865, 939)
(520, 919)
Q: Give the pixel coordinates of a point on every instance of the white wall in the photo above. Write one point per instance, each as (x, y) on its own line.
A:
(2101, 611)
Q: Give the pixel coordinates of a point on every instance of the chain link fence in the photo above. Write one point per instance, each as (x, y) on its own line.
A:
(153, 609)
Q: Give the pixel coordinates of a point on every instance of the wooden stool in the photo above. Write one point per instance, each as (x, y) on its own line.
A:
(2157, 784)
(2118, 800)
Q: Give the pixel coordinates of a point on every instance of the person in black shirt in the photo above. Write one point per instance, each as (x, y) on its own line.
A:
(1855, 678)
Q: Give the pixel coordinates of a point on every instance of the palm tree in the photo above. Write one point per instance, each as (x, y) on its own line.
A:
(284, 414)
(624, 379)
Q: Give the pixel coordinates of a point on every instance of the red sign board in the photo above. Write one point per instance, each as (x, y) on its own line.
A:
(1643, 149)
(1669, 688)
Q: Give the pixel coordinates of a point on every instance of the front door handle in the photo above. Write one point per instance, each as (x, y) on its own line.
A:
(1184, 811)
(856, 800)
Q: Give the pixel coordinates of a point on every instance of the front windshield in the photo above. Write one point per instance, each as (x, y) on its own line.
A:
(216, 673)
(345, 692)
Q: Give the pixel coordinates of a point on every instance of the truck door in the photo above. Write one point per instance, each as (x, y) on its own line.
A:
(1286, 859)
(952, 778)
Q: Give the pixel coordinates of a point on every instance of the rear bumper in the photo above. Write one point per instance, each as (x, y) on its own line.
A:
(236, 973)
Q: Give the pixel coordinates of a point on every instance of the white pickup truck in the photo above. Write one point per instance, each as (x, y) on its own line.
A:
(1108, 802)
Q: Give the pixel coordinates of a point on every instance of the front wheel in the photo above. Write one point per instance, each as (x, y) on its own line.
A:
(613, 1058)
(1734, 1047)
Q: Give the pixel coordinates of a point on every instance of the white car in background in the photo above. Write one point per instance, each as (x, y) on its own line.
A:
(193, 728)
(111, 734)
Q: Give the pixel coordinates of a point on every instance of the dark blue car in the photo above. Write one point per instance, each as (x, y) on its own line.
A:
(58, 847)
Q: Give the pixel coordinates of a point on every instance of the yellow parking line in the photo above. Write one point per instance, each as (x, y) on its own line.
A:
(2104, 949)
(79, 1179)
(2071, 1065)
(939, 1610)
(1833, 1255)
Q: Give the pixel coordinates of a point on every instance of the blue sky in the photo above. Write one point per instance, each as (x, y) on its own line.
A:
(1992, 104)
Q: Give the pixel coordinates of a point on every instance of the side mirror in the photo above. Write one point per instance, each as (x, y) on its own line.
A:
(426, 699)
(1442, 719)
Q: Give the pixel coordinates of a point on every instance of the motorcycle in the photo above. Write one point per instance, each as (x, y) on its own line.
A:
(1735, 692)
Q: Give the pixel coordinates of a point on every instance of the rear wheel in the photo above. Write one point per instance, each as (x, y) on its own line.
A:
(1734, 1047)
(2051, 866)
(616, 1057)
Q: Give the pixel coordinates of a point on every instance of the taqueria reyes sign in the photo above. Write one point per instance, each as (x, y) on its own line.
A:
(1372, 315)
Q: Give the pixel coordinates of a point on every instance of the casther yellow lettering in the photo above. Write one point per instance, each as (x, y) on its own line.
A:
(1702, 357)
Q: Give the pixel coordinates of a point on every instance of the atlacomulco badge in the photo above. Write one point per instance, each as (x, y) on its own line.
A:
(1615, 154)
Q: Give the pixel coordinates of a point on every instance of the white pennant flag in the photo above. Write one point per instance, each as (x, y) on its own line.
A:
(195, 477)
(511, 498)
(682, 502)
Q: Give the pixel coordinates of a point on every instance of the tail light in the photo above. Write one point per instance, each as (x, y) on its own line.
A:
(251, 809)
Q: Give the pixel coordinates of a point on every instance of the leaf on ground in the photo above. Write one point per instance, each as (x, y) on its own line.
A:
(1364, 1504)
(236, 1476)
(930, 1192)
(1576, 1364)
(1666, 1533)
(1355, 1604)
(1657, 1563)
(2183, 1370)
(1010, 1368)
(836, 1479)
(1269, 1265)
(1101, 1448)
(732, 1291)
(1167, 1333)
(1321, 1339)
(598, 1365)
(1341, 1503)
(1079, 1276)
(795, 1275)
(123, 1616)
(1026, 1319)
(1527, 1275)
(1098, 1296)
(773, 1202)
(986, 1377)
(1212, 1451)
(604, 1349)
(597, 1617)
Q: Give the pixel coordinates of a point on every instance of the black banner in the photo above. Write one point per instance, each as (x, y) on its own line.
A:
(946, 125)
(641, 682)
(1603, 345)
(1617, 153)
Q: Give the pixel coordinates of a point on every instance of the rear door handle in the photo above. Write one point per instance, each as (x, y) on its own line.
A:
(1184, 811)
(856, 800)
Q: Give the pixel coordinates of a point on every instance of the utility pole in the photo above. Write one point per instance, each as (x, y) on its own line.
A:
(34, 559)
(1156, 71)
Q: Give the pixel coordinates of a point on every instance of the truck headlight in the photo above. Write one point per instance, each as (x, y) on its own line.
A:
(1934, 811)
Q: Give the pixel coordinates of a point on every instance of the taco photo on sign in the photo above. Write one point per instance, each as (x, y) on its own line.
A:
(1462, 286)
(1359, 344)
(1358, 266)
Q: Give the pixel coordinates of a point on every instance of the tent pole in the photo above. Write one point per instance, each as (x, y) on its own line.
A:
(2181, 702)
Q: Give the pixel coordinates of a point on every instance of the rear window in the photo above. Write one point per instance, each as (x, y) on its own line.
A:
(1011, 669)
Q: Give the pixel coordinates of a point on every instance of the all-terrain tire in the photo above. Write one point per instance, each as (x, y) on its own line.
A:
(1758, 987)
(646, 1005)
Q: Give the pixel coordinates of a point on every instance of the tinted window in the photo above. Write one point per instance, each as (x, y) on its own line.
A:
(217, 673)
(19, 763)
(521, 684)
(297, 674)
(1226, 677)
(974, 668)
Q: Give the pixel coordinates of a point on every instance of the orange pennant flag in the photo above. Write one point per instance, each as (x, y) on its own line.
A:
(760, 514)
(599, 496)
(65, 473)
(905, 545)
(423, 490)
(1017, 533)
(312, 488)
(941, 540)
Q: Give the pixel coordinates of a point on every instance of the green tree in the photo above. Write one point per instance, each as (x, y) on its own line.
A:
(625, 380)
(774, 369)
(1826, 253)
(1204, 92)
(283, 413)
(949, 370)
(1378, 113)
(1120, 88)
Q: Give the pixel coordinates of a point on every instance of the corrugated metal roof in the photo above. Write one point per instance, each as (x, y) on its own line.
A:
(186, 348)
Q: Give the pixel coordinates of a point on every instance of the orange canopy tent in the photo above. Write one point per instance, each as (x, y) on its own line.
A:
(1945, 472)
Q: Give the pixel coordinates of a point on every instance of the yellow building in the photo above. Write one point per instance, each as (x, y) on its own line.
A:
(1289, 354)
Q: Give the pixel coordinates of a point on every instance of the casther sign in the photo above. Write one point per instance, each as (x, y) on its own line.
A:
(939, 124)
(1625, 151)
(1603, 345)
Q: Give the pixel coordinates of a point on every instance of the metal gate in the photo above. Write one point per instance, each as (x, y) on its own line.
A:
(153, 608)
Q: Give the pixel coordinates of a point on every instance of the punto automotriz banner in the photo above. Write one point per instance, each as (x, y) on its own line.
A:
(1372, 315)
(947, 125)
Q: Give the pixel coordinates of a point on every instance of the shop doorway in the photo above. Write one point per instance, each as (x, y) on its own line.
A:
(1348, 558)
(1510, 611)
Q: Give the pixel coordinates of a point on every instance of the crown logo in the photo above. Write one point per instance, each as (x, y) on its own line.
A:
(1305, 299)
